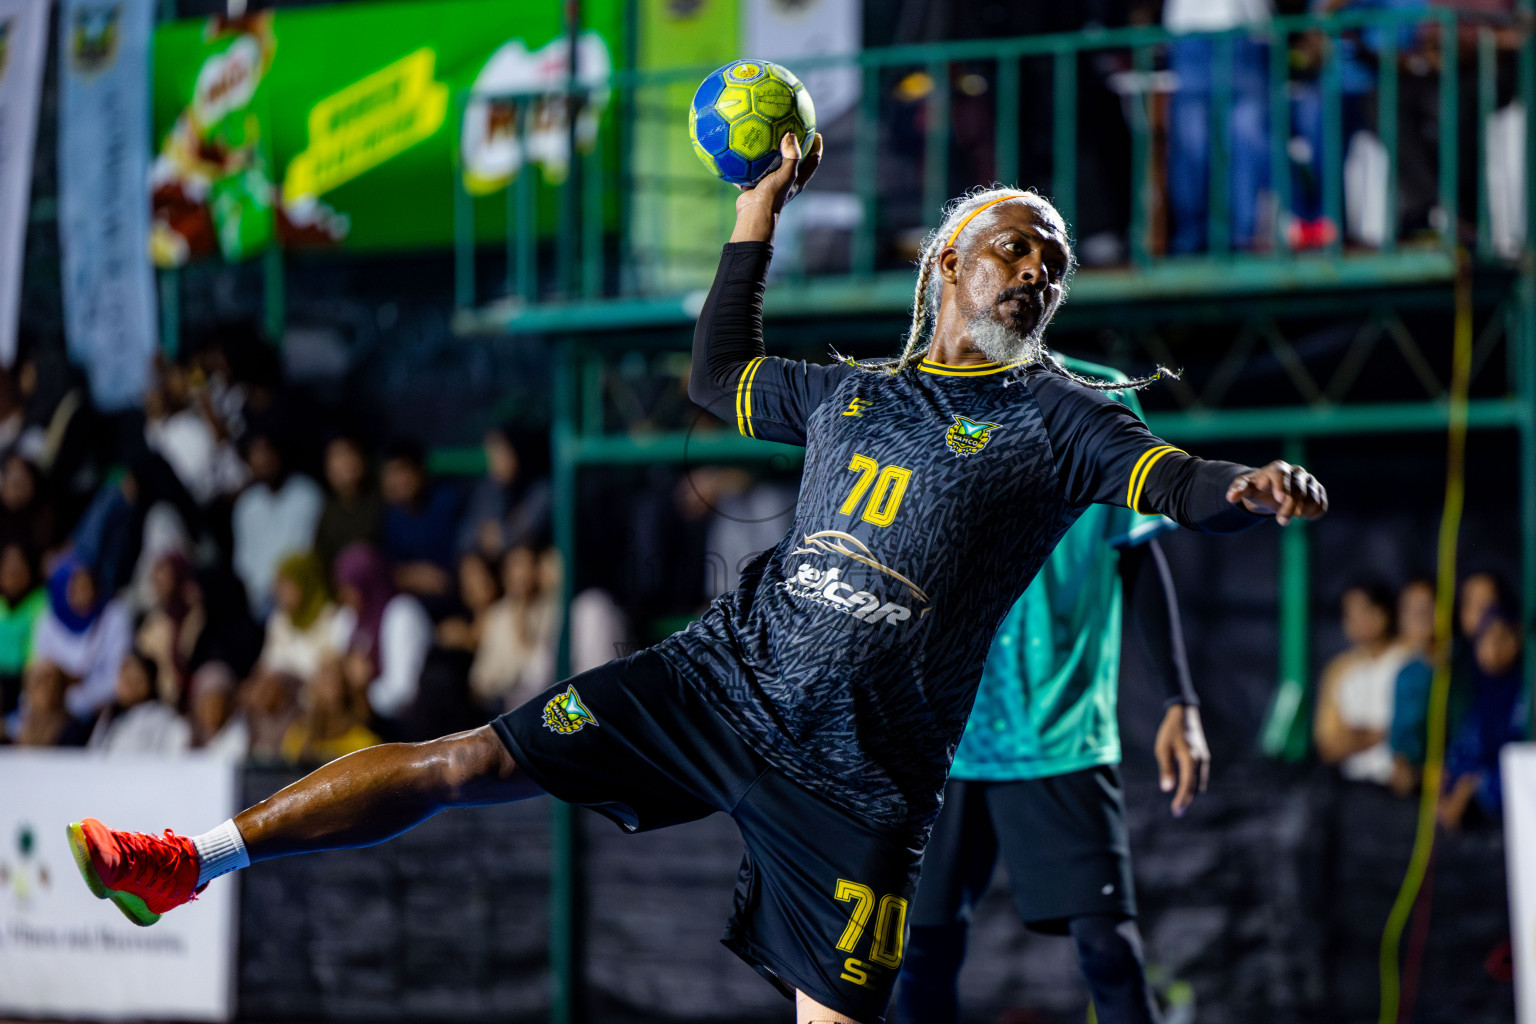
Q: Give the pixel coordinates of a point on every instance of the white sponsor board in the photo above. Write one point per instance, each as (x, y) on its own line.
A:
(23, 34)
(63, 952)
(1518, 763)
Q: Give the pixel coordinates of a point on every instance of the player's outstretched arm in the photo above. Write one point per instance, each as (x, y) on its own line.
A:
(729, 334)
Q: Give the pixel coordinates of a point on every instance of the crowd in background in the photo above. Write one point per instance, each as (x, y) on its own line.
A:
(178, 580)
(1373, 703)
(1181, 89)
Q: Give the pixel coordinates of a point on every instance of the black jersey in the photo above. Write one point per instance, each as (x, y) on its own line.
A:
(850, 654)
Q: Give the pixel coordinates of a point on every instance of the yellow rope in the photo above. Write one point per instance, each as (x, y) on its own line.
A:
(1439, 692)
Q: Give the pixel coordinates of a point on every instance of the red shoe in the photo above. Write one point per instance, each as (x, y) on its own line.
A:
(144, 875)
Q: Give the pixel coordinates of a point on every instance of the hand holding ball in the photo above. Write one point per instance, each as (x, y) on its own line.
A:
(741, 112)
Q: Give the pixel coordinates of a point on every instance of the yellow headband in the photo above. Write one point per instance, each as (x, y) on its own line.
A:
(970, 216)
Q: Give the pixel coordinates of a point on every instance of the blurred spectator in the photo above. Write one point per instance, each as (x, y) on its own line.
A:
(21, 603)
(12, 414)
(273, 518)
(25, 515)
(1192, 59)
(1481, 593)
(1499, 714)
(219, 728)
(44, 720)
(305, 627)
(511, 505)
(138, 721)
(479, 590)
(1410, 701)
(187, 434)
(353, 511)
(85, 633)
(1354, 704)
(170, 629)
(105, 538)
(60, 437)
(420, 524)
(270, 705)
(517, 641)
(390, 638)
(331, 724)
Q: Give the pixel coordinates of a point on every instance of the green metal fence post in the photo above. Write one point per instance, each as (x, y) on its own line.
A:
(169, 281)
(593, 218)
(463, 218)
(1219, 114)
(1486, 85)
(1526, 338)
(1141, 148)
(1006, 146)
(1287, 731)
(566, 945)
(1386, 130)
(1333, 140)
(1064, 135)
(1280, 134)
(522, 248)
(866, 169)
(1448, 128)
(936, 144)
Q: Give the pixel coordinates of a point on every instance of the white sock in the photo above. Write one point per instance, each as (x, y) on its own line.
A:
(219, 852)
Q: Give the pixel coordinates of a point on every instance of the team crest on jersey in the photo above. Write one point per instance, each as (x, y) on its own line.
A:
(566, 713)
(967, 437)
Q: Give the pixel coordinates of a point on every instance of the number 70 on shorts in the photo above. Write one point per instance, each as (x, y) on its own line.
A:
(885, 944)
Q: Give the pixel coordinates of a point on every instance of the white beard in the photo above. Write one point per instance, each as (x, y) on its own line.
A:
(1002, 344)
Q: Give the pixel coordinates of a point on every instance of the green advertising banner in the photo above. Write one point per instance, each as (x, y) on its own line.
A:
(338, 126)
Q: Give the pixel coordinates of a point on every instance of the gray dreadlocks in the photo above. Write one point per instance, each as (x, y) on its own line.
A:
(930, 288)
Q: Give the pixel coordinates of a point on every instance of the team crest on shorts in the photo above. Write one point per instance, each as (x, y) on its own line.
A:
(967, 437)
(566, 713)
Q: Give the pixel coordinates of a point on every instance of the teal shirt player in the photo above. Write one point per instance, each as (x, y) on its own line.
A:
(1048, 693)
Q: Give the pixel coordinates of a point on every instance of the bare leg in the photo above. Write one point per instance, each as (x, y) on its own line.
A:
(377, 793)
(809, 1011)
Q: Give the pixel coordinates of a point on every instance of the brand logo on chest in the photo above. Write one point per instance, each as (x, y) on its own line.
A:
(968, 436)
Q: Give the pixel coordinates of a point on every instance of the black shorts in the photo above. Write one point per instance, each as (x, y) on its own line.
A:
(1063, 838)
(821, 902)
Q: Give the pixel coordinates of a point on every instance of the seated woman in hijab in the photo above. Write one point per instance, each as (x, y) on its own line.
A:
(390, 639)
(305, 627)
(138, 721)
(85, 633)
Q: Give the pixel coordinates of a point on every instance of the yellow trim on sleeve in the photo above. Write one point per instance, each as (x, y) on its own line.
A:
(1143, 469)
(744, 397)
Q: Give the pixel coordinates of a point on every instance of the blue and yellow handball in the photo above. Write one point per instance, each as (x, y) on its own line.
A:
(741, 112)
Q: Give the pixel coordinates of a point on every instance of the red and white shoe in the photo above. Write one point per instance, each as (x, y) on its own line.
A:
(144, 875)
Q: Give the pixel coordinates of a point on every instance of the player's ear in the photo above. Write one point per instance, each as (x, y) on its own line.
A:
(949, 264)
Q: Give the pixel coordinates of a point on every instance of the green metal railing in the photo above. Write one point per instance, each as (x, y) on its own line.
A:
(618, 252)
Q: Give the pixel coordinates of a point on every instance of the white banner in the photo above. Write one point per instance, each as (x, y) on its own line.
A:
(784, 30)
(104, 210)
(23, 36)
(1518, 764)
(63, 952)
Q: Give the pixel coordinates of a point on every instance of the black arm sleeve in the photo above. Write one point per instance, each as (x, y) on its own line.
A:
(1105, 454)
(764, 396)
(1154, 608)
